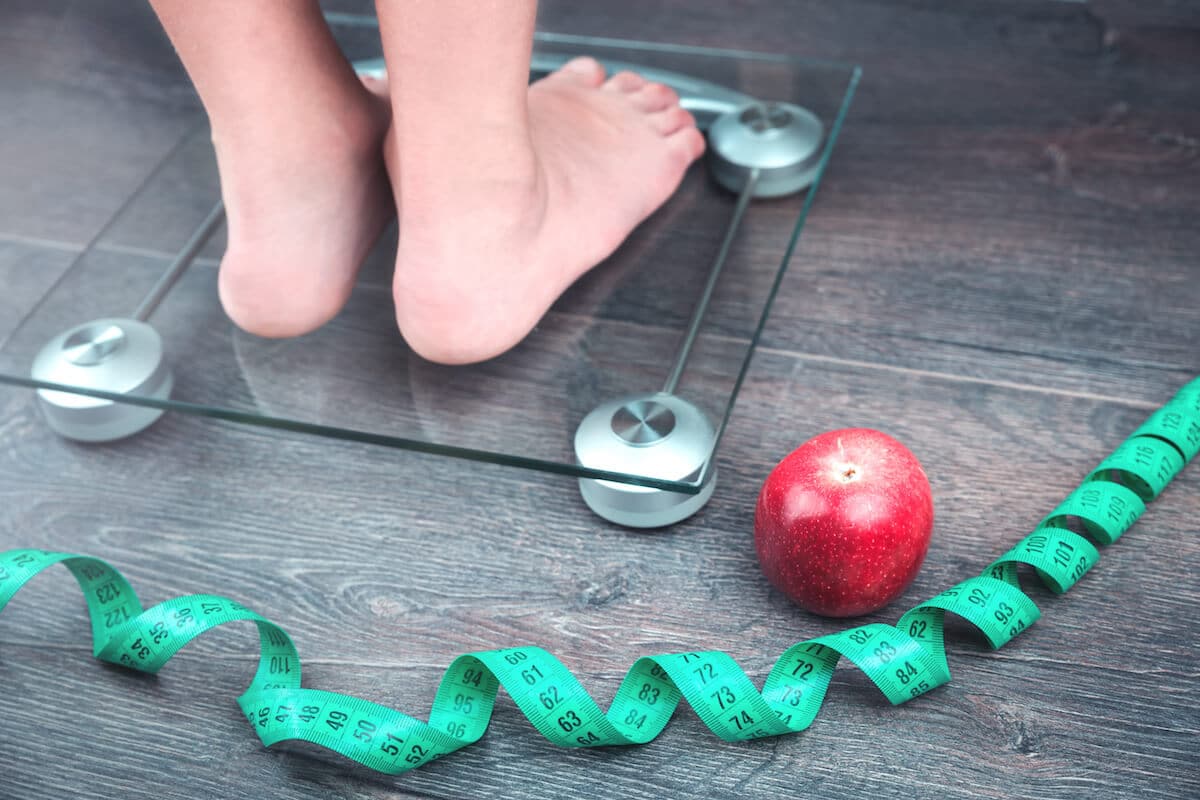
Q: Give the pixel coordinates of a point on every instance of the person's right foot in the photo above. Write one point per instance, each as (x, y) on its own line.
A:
(490, 236)
(304, 207)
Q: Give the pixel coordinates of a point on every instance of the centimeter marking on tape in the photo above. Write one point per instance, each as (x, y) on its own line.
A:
(904, 660)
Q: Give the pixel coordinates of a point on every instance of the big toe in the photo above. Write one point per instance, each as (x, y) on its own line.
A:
(583, 71)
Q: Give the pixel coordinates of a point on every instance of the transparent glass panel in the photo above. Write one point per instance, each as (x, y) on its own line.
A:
(616, 332)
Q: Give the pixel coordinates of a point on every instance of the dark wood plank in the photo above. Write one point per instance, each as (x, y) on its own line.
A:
(974, 226)
(404, 561)
(29, 270)
(93, 99)
(1029, 224)
(1162, 14)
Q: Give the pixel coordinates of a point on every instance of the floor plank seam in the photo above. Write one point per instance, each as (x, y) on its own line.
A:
(997, 383)
(153, 253)
(37, 241)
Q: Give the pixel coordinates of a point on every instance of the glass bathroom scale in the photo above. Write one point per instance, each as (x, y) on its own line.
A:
(627, 383)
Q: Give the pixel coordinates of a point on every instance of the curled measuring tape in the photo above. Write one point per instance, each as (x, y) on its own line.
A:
(904, 661)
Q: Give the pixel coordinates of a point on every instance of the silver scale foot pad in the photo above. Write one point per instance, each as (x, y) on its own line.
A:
(657, 435)
(122, 356)
(756, 149)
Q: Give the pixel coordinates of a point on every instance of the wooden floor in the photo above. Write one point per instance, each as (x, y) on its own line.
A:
(1002, 269)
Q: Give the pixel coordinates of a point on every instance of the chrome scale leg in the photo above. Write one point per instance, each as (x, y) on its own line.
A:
(118, 355)
(757, 150)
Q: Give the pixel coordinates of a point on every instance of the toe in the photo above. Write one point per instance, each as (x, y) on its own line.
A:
(584, 71)
(625, 82)
(671, 120)
(654, 97)
(376, 84)
(687, 143)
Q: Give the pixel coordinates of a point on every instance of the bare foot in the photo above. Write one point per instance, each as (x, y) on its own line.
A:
(493, 233)
(304, 208)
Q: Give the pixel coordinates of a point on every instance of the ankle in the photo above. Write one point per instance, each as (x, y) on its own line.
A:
(349, 125)
(463, 170)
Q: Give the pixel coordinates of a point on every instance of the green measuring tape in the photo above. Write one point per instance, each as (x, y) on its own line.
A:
(904, 661)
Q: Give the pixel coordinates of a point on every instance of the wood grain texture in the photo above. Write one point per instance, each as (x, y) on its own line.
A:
(385, 574)
(999, 271)
(67, 69)
(29, 268)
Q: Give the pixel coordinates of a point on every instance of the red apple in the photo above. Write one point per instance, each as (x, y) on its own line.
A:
(843, 523)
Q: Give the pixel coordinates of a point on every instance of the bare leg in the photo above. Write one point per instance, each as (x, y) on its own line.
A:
(298, 140)
(510, 192)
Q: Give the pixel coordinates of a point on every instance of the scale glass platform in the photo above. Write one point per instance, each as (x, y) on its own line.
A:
(627, 383)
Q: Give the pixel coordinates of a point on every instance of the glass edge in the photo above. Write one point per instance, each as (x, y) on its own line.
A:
(549, 37)
(96, 241)
(834, 133)
(354, 435)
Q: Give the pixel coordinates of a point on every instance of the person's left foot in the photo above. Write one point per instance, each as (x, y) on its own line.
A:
(492, 234)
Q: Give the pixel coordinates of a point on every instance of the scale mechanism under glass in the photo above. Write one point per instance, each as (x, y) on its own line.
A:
(756, 149)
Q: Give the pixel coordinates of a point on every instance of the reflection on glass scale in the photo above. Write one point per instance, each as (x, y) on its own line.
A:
(756, 149)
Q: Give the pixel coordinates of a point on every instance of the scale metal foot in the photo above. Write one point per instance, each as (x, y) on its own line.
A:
(122, 356)
(654, 435)
(755, 150)
(119, 355)
(780, 140)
